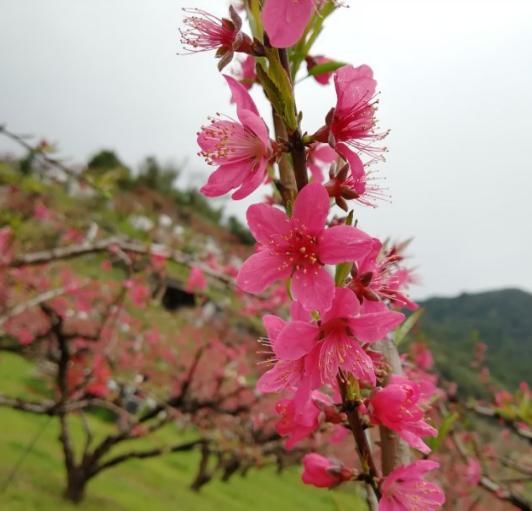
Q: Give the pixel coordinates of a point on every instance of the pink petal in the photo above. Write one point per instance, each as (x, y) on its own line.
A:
(285, 21)
(267, 224)
(414, 441)
(241, 97)
(316, 172)
(345, 304)
(353, 85)
(296, 339)
(297, 311)
(314, 288)
(225, 178)
(389, 504)
(355, 163)
(343, 243)
(343, 352)
(252, 181)
(324, 153)
(281, 376)
(375, 326)
(311, 208)
(424, 494)
(273, 325)
(255, 123)
(260, 270)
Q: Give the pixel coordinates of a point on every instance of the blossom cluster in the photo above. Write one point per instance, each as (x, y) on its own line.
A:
(346, 288)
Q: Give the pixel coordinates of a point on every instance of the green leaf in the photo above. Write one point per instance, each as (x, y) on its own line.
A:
(404, 329)
(349, 218)
(326, 67)
(342, 271)
(443, 431)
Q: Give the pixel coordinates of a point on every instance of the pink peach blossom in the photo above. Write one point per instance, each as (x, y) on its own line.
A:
(421, 356)
(323, 472)
(378, 277)
(473, 471)
(338, 336)
(351, 124)
(298, 247)
(397, 406)
(196, 281)
(296, 422)
(404, 489)
(347, 184)
(241, 150)
(205, 32)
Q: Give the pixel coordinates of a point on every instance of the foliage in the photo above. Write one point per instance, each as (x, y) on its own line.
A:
(500, 319)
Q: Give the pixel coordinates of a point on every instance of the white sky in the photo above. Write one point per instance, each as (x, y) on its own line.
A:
(456, 84)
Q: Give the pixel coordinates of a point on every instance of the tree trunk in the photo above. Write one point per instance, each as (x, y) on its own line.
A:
(203, 476)
(76, 483)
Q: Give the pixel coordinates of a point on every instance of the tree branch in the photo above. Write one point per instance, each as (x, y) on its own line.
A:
(149, 453)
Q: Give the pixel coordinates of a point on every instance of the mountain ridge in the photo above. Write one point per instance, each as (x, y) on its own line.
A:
(501, 318)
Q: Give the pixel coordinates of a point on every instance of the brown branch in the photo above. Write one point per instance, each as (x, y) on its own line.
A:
(89, 437)
(295, 139)
(489, 484)
(492, 413)
(518, 467)
(85, 248)
(149, 453)
(53, 408)
(62, 253)
(37, 300)
(350, 407)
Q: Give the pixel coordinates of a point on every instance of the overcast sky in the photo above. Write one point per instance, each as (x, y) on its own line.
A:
(456, 89)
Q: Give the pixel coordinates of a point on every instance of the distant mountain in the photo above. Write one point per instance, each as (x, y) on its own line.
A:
(501, 319)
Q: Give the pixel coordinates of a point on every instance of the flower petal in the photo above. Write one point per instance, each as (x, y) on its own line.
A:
(345, 304)
(285, 21)
(273, 325)
(251, 181)
(314, 288)
(355, 163)
(296, 339)
(311, 208)
(353, 85)
(241, 97)
(343, 243)
(260, 270)
(225, 178)
(282, 375)
(375, 326)
(257, 126)
(267, 224)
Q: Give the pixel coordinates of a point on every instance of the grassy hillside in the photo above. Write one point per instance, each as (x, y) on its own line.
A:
(501, 319)
(159, 484)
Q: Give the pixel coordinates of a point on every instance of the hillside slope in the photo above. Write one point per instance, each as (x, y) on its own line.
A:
(502, 319)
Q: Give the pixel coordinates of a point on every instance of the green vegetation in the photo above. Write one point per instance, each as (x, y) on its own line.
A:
(500, 319)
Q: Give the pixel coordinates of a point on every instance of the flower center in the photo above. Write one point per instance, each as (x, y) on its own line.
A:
(338, 326)
(303, 250)
(227, 141)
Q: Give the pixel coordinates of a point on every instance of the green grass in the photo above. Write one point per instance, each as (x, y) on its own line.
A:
(158, 484)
